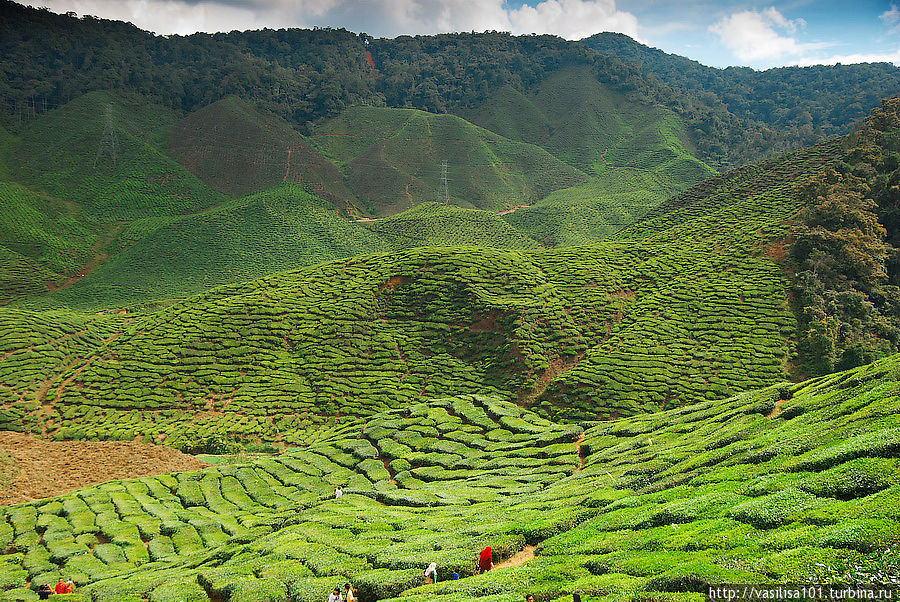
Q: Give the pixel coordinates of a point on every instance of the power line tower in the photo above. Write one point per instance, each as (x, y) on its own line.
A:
(109, 141)
(445, 190)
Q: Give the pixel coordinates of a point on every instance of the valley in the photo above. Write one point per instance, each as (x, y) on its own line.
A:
(290, 308)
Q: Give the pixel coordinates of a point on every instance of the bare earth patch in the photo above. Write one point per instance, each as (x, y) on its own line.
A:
(49, 468)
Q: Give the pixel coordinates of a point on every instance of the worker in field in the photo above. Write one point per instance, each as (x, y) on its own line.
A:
(44, 592)
(336, 595)
(486, 560)
(350, 597)
(70, 587)
(60, 586)
(431, 573)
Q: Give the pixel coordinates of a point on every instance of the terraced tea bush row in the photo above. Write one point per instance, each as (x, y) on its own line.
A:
(748, 489)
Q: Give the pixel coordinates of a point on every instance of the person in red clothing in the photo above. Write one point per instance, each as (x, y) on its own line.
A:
(60, 586)
(486, 560)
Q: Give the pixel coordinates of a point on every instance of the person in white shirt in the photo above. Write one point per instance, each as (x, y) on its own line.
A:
(336, 596)
(350, 596)
(431, 571)
(338, 493)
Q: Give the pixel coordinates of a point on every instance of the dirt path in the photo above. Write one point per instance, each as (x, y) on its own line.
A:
(98, 257)
(512, 209)
(777, 409)
(48, 468)
(519, 558)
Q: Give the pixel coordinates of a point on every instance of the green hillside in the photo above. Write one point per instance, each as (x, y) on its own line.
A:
(394, 156)
(238, 150)
(588, 125)
(57, 154)
(687, 305)
(638, 155)
(164, 258)
(789, 484)
(435, 224)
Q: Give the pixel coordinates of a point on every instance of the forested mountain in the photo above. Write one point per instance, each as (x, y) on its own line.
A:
(810, 102)
(304, 75)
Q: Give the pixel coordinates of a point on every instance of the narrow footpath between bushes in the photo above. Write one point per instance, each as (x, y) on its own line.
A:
(520, 557)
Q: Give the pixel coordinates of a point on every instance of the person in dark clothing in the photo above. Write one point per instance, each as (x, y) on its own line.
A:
(44, 592)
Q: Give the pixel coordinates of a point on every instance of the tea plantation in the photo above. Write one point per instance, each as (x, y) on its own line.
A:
(792, 483)
(686, 305)
(637, 156)
(394, 158)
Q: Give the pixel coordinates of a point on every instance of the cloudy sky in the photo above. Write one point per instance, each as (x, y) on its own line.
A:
(714, 32)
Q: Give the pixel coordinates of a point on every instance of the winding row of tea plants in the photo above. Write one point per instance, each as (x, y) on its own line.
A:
(792, 483)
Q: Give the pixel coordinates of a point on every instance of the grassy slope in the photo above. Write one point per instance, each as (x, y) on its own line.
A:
(689, 308)
(394, 160)
(57, 154)
(434, 224)
(267, 232)
(272, 231)
(239, 150)
(793, 483)
(39, 237)
(638, 155)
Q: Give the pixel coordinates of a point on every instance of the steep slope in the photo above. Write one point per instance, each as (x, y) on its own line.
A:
(238, 150)
(588, 125)
(435, 224)
(131, 177)
(789, 484)
(394, 159)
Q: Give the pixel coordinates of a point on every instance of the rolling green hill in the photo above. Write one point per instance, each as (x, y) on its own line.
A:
(271, 231)
(638, 155)
(435, 224)
(57, 154)
(789, 484)
(238, 150)
(394, 158)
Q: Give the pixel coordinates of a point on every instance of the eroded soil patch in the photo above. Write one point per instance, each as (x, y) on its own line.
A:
(48, 468)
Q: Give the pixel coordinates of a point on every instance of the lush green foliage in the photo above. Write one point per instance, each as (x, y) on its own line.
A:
(57, 153)
(846, 254)
(686, 305)
(803, 103)
(304, 75)
(239, 150)
(754, 488)
(638, 155)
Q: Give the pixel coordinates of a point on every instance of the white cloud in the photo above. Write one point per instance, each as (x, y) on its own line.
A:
(752, 35)
(891, 18)
(848, 59)
(572, 19)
